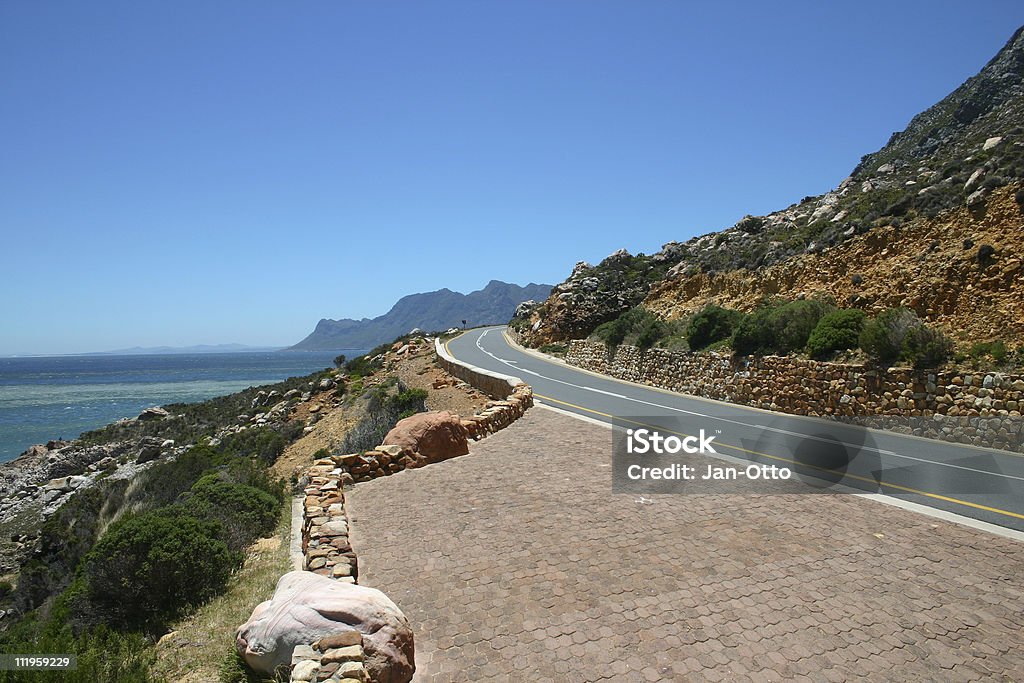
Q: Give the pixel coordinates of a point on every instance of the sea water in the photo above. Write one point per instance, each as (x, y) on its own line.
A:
(54, 397)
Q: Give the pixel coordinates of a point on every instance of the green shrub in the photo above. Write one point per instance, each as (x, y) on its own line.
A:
(101, 654)
(637, 326)
(149, 568)
(261, 442)
(711, 324)
(613, 332)
(408, 402)
(362, 366)
(243, 513)
(383, 410)
(882, 338)
(836, 331)
(996, 349)
(898, 334)
(926, 347)
(649, 332)
(554, 349)
(779, 328)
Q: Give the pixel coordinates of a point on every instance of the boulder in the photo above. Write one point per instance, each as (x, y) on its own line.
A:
(436, 435)
(59, 484)
(307, 607)
(149, 449)
(154, 413)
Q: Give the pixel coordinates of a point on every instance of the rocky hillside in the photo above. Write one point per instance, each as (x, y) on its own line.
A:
(931, 221)
(430, 311)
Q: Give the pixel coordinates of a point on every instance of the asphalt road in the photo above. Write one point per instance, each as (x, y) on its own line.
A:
(827, 456)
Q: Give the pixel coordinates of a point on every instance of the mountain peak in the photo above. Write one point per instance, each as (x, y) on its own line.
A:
(431, 311)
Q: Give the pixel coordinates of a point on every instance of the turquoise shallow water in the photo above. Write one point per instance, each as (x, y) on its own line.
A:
(62, 396)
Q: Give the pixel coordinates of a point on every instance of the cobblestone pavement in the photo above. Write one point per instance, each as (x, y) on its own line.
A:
(516, 563)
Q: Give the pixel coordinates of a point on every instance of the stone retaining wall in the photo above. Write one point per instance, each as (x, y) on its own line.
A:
(326, 549)
(977, 408)
(385, 460)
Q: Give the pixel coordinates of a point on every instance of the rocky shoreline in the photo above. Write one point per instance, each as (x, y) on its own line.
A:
(44, 477)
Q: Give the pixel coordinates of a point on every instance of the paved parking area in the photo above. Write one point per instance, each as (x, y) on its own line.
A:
(517, 563)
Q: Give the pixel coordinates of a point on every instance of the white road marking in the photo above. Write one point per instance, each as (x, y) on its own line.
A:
(777, 430)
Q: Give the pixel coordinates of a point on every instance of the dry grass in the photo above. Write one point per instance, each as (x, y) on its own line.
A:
(200, 644)
(328, 433)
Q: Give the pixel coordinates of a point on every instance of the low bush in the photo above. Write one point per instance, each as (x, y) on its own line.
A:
(101, 654)
(995, 349)
(614, 332)
(638, 327)
(650, 331)
(243, 513)
(383, 410)
(926, 347)
(362, 366)
(407, 402)
(882, 338)
(711, 324)
(262, 442)
(836, 331)
(779, 328)
(554, 349)
(897, 334)
(148, 568)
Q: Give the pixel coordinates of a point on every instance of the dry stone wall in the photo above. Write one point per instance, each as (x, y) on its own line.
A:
(326, 551)
(976, 408)
(326, 548)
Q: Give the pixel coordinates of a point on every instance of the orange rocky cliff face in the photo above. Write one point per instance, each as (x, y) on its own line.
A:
(941, 268)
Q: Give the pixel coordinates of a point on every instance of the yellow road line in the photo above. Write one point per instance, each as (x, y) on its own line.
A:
(898, 487)
(453, 339)
(868, 480)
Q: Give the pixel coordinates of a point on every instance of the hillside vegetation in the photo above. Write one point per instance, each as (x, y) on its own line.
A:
(931, 222)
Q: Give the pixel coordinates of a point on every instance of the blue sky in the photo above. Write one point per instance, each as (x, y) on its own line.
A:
(189, 172)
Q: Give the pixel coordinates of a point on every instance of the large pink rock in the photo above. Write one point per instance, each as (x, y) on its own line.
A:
(436, 435)
(306, 606)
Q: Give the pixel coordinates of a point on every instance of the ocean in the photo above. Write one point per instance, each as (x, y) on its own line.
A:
(44, 398)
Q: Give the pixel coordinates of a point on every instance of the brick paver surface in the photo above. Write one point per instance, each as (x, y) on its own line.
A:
(517, 563)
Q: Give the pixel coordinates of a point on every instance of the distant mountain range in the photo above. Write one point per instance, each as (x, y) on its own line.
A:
(430, 311)
(199, 348)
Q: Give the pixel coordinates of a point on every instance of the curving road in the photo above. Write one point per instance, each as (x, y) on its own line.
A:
(983, 484)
